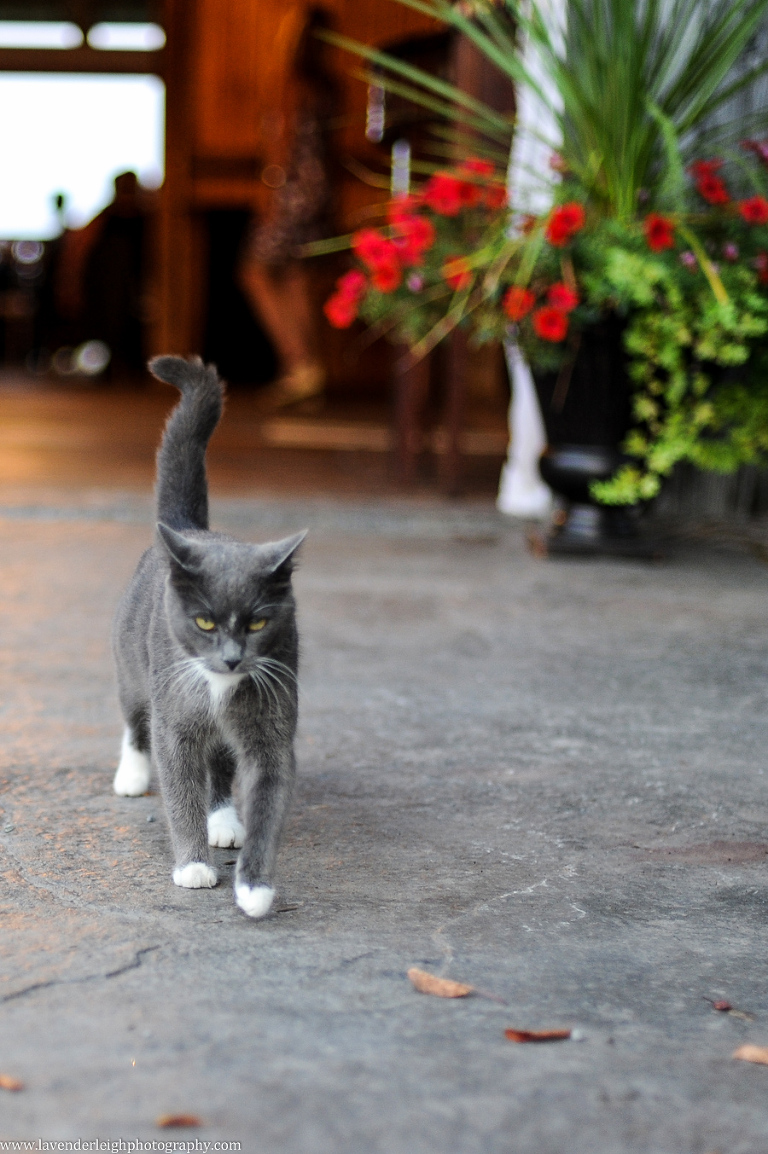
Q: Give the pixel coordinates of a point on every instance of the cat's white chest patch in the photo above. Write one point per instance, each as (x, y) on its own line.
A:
(221, 684)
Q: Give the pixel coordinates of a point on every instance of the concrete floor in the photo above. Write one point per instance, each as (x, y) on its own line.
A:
(546, 779)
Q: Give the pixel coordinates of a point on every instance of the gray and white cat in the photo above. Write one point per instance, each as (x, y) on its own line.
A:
(206, 649)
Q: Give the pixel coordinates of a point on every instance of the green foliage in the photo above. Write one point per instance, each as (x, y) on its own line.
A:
(697, 365)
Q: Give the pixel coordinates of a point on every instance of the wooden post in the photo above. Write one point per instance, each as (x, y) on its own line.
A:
(172, 331)
(411, 393)
(454, 411)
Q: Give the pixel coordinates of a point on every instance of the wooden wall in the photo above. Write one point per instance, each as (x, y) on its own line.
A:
(220, 64)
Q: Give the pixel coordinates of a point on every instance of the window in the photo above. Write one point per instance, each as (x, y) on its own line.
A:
(72, 133)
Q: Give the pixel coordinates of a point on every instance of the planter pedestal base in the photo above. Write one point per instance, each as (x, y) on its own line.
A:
(587, 532)
(579, 525)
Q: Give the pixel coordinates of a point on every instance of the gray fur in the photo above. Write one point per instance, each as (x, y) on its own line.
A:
(201, 746)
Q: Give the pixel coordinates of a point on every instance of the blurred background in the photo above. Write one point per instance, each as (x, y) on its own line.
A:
(164, 162)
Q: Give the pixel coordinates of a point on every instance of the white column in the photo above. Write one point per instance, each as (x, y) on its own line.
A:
(522, 493)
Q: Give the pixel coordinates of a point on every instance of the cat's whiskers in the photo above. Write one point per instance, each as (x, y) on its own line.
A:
(273, 662)
(265, 666)
(270, 679)
(264, 687)
(172, 672)
(276, 679)
(185, 673)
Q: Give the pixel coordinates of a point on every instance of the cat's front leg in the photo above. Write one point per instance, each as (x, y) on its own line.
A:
(181, 764)
(267, 785)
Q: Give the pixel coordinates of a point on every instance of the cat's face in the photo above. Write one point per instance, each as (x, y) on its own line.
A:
(226, 601)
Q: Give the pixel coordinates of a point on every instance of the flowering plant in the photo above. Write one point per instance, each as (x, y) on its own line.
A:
(692, 287)
(641, 227)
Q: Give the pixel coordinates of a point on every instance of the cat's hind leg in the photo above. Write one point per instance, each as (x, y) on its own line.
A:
(135, 769)
(224, 826)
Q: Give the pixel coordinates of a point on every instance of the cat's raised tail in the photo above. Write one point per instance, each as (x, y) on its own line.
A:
(182, 485)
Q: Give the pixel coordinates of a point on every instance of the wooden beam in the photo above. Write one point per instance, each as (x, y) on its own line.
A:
(83, 59)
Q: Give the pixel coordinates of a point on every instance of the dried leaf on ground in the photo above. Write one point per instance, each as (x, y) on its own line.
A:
(750, 1053)
(441, 987)
(9, 1083)
(176, 1121)
(725, 1007)
(537, 1035)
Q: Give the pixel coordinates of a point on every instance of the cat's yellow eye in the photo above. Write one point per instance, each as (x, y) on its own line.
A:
(255, 626)
(205, 624)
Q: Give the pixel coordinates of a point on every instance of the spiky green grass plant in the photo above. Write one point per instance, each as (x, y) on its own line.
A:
(635, 79)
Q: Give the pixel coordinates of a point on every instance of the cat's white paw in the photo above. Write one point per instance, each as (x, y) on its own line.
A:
(196, 876)
(133, 772)
(254, 900)
(225, 828)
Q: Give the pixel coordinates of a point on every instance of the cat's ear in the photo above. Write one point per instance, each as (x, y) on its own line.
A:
(277, 553)
(187, 554)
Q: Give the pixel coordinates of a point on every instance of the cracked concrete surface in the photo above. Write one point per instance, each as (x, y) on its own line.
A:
(545, 779)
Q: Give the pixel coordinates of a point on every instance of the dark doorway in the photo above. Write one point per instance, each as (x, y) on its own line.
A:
(234, 340)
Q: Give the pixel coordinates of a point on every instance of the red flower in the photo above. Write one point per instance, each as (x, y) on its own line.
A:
(352, 285)
(550, 324)
(564, 222)
(473, 191)
(386, 276)
(754, 210)
(413, 236)
(495, 197)
(713, 189)
(761, 264)
(478, 167)
(556, 234)
(659, 232)
(562, 296)
(444, 194)
(403, 206)
(701, 168)
(517, 302)
(456, 272)
(571, 216)
(373, 248)
(340, 310)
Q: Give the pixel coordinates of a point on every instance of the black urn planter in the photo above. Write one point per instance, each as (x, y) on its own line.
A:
(587, 413)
